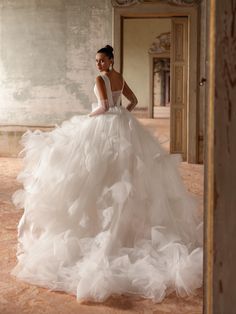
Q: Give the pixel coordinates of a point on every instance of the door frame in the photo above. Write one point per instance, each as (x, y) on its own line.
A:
(158, 10)
(152, 56)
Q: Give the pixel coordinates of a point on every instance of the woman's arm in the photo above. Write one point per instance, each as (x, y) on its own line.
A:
(128, 93)
(103, 101)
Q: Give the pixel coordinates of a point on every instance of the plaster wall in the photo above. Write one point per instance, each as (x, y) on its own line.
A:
(47, 58)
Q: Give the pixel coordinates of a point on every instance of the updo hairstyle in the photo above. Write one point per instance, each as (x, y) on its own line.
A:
(108, 51)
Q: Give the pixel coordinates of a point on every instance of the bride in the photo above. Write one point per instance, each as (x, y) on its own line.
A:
(105, 209)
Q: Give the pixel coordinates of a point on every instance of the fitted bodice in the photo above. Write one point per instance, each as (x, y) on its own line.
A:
(116, 97)
(113, 97)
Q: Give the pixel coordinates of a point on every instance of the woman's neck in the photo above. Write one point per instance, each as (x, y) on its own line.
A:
(108, 72)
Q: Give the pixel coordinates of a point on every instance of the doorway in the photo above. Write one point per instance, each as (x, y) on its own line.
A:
(183, 125)
(160, 87)
(155, 60)
(146, 68)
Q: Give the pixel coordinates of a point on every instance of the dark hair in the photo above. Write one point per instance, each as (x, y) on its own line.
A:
(108, 51)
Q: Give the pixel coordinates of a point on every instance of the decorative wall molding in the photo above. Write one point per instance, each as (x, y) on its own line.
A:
(183, 2)
(128, 3)
(125, 3)
(161, 44)
(161, 65)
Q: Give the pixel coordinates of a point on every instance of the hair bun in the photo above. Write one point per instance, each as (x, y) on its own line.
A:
(109, 47)
(107, 50)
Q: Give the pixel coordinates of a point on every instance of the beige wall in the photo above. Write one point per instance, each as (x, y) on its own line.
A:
(139, 34)
(47, 58)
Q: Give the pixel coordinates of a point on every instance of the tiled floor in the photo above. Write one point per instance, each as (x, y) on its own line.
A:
(17, 297)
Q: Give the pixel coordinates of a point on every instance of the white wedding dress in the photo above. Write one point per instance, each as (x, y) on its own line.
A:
(105, 211)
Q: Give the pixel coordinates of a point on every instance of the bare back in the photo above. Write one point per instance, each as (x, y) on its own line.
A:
(116, 81)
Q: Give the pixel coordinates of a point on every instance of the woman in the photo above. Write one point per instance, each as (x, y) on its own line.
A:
(105, 210)
(104, 62)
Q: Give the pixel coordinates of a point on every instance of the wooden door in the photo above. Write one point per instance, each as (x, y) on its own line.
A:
(179, 86)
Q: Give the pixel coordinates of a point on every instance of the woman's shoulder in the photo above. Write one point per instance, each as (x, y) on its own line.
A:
(99, 81)
(115, 78)
(98, 78)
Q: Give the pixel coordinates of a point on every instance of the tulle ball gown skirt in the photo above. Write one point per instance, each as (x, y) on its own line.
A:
(105, 212)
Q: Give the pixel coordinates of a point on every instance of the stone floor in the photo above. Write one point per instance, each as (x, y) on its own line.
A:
(17, 297)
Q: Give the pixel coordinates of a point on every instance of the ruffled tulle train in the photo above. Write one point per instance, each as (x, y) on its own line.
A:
(105, 212)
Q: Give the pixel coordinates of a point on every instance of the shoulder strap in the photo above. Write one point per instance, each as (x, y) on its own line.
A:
(108, 89)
